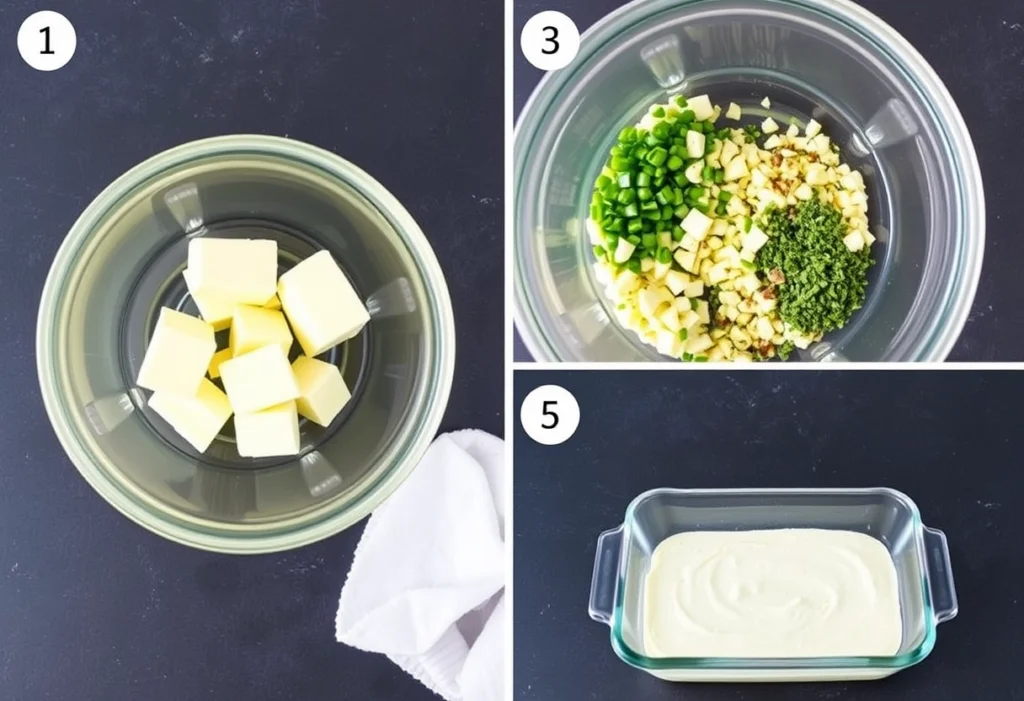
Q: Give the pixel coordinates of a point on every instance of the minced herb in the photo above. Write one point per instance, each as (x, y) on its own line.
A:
(822, 282)
(714, 303)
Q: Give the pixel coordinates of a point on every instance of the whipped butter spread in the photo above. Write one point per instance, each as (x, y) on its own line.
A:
(771, 593)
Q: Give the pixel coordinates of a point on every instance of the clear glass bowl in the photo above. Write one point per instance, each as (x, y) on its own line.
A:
(122, 261)
(829, 59)
(921, 555)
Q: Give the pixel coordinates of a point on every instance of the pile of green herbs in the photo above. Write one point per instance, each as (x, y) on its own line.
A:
(822, 282)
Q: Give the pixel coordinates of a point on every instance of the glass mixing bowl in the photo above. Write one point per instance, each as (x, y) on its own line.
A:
(826, 59)
(123, 260)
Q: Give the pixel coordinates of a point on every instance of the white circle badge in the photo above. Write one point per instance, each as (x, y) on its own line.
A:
(550, 414)
(47, 40)
(550, 40)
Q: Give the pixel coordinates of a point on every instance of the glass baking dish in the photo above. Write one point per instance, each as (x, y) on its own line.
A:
(921, 555)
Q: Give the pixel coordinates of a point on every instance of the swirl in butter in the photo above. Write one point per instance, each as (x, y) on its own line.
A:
(775, 593)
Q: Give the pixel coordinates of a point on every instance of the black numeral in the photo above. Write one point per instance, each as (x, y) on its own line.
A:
(45, 31)
(547, 411)
(553, 40)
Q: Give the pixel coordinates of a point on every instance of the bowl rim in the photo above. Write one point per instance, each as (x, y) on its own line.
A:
(954, 315)
(380, 488)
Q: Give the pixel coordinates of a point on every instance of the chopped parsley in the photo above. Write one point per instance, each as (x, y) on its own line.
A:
(822, 282)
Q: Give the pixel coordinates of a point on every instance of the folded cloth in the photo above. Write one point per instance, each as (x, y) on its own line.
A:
(427, 582)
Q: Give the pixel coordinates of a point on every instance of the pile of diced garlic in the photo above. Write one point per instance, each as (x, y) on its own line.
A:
(665, 304)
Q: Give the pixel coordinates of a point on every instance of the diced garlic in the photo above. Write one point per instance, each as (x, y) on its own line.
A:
(730, 298)
(803, 192)
(816, 175)
(623, 250)
(703, 312)
(669, 343)
(852, 181)
(695, 142)
(701, 106)
(740, 338)
(729, 151)
(735, 169)
(669, 318)
(699, 344)
(718, 273)
(693, 172)
(676, 281)
(696, 224)
(752, 155)
(688, 318)
(687, 259)
(854, 241)
(687, 243)
(626, 283)
(754, 239)
(651, 299)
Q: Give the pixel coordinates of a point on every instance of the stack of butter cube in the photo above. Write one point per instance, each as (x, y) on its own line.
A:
(235, 286)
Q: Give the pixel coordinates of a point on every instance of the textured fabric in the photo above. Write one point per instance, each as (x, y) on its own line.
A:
(426, 586)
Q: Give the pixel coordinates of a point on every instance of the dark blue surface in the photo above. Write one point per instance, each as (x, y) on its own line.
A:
(950, 440)
(91, 606)
(977, 49)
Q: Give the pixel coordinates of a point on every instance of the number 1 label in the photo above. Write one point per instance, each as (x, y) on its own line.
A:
(47, 40)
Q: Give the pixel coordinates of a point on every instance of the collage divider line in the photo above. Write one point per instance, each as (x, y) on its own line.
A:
(507, 364)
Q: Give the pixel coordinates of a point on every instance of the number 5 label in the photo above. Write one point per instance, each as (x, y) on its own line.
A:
(47, 40)
(550, 40)
(550, 414)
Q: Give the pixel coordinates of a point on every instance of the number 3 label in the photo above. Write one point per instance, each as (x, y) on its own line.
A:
(47, 40)
(550, 40)
(550, 415)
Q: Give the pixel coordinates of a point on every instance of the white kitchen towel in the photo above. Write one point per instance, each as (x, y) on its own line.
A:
(427, 582)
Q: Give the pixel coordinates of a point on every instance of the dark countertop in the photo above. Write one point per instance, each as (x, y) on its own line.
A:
(950, 440)
(977, 48)
(92, 606)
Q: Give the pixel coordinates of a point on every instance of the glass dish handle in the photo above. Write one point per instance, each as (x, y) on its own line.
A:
(606, 575)
(940, 575)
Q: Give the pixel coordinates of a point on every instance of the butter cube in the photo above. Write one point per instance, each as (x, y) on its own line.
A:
(197, 419)
(322, 390)
(259, 379)
(239, 271)
(178, 354)
(218, 358)
(273, 431)
(255, 327)
(215, 309)
(274, 303)
(320, 303)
